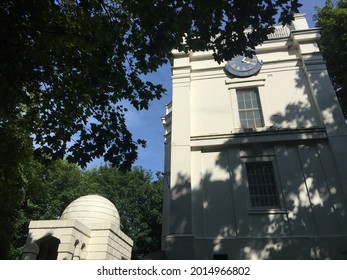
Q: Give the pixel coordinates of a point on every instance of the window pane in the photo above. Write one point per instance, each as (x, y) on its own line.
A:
(244, 123)
(247, 95)
(249, 108)
(258, 123)
(253, 95)
(240, 96)
(248, 104)
(249, 115)
(241, 104)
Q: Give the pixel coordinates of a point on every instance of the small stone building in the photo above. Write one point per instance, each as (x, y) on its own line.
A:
(88, 229)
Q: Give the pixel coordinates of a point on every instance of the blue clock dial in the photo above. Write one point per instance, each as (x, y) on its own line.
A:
(243, 66)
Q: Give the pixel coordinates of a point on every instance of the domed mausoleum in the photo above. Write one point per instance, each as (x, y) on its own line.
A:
(90, 210)
(89, 229)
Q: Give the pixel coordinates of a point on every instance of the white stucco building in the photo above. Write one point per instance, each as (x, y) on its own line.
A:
(256, 166)
(88, 229)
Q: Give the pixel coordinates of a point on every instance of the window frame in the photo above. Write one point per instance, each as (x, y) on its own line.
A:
(262, 185)
(280, 209)
(258, 109)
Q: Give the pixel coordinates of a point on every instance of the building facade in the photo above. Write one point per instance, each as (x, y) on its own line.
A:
(255, 154)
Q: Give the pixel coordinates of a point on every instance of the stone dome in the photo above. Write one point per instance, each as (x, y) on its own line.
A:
(91, 209)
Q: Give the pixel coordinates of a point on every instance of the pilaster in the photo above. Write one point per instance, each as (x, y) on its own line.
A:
(324, 96)
(180, 173)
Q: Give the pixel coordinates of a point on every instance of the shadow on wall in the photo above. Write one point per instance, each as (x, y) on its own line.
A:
(320, 109)
(45, 248)
(310, 221)
(48, 248)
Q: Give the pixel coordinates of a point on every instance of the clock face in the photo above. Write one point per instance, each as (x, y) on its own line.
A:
(243, 66)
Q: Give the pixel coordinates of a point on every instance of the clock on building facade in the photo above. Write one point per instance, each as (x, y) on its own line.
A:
(243, 66)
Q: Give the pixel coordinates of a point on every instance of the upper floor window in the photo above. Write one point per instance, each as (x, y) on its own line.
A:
(249, 108)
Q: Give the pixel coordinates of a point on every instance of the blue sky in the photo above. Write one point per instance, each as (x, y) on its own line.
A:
(147, 124)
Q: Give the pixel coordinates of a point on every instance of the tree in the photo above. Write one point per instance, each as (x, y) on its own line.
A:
(139, 202)
(66, 65)
(136, 195)
(48, 190)
(332, 19)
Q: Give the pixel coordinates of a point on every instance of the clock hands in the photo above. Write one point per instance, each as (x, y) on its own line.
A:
(245, 60)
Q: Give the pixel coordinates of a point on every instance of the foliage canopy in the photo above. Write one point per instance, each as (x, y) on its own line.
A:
(66, 65)
(332, 19)
(136, 193)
